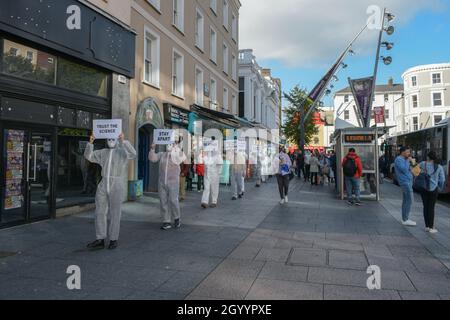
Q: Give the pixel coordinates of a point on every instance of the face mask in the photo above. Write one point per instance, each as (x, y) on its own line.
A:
(112, 143)
(170, 148)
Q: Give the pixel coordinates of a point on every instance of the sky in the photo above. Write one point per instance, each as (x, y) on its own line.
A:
(301, 39)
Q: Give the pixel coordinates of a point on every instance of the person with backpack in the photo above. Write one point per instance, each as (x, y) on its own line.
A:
(435, 181)
(353, 170)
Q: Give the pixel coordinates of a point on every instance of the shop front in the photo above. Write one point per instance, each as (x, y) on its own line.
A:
(52, 87)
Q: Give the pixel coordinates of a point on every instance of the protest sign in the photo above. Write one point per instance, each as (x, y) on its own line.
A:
(107, 129)
(164, 136)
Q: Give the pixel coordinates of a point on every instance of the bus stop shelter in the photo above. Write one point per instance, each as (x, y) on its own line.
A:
(366, 143)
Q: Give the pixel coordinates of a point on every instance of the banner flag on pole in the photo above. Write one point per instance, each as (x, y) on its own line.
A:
(318, 90)
(362, 92)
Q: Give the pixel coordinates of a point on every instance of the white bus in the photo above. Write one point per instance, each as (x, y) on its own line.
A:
(421, 142)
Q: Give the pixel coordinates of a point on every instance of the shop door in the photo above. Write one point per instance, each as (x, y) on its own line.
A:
(27, 175)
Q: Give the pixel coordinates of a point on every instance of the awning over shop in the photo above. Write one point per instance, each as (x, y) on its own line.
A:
(215, 119)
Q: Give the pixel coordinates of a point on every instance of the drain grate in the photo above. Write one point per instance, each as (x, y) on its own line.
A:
(4, 254)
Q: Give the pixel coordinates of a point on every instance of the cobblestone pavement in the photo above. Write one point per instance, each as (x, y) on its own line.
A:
(315, 247)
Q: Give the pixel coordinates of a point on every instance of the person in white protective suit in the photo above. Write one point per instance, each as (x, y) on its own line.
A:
(169, 183)
(213, 168)
(110, 191)
(238, 170)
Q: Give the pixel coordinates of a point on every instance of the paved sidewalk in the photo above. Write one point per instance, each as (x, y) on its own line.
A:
(315, 247)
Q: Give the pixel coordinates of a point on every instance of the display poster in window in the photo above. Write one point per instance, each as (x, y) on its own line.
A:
(15, 140)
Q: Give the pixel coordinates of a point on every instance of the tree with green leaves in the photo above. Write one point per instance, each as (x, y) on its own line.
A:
(298, 103)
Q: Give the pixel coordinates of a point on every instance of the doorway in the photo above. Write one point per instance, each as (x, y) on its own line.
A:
(147, 171)
(27, 174)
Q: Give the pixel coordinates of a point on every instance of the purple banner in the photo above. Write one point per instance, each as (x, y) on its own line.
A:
(323, 83)
(362, 92)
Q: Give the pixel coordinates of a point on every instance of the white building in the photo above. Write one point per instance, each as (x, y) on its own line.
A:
(427, 97)
(259, 93)
(387, 96)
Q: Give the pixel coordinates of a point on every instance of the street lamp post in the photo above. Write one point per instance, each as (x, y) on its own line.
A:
(386, 60)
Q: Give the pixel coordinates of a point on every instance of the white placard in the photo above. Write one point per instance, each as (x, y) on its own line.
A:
(210, 145)
(163, 136)
(107, 129)
(242, 146)
(230, 145)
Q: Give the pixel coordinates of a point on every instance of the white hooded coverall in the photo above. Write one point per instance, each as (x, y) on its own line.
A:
(213, 169)
(108, 199)
(169, 182)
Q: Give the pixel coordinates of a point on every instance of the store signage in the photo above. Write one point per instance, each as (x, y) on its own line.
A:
(107, 129)
(73, 28)
(359, 138)
(164, 136)
(176, 115)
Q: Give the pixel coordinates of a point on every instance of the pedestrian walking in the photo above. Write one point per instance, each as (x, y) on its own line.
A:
(307, 166)
(184, 172)
(169, 183)
(314, 167)
(109, 196)
(435, 182)
(301, 165)
(333, 165)
(353, 171)
(200, 172)
(213, 169)
(284, 170)
(238, 169)
(405, 179)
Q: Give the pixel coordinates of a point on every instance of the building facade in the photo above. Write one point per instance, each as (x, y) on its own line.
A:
(63, 64)
(259, 93)
(388, 96)
(186, 59)
(427, 97)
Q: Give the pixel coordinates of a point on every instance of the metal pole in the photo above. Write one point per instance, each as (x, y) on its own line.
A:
(377, 60)
(303, 116)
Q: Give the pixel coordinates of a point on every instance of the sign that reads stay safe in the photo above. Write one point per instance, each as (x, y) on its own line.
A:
(107, 129)
(164, 136)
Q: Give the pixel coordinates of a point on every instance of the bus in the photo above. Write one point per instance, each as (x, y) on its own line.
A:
(421, 142)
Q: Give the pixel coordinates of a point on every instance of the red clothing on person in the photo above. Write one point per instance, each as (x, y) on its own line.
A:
(200, 170)
(358, 162)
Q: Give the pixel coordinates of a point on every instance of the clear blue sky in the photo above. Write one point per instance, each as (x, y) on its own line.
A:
(423, 40)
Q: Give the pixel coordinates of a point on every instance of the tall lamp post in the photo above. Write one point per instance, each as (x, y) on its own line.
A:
(387, 17)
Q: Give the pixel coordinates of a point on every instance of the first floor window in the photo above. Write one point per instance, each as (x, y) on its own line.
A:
(234, 104)
(225, 106)
(415, 123)
(437, 99)
(415, 101)
(346, 115)
(213, 94)
(151, 55)
(199, 87)
(437, 119)
(177, 74)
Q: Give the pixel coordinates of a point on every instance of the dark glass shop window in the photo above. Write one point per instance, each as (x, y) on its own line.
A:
(81, 78)
(25, 62)
(77, 178)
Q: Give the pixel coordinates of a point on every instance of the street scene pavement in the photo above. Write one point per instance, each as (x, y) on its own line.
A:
(315, 247)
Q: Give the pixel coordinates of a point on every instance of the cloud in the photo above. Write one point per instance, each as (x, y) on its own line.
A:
(310, 33)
